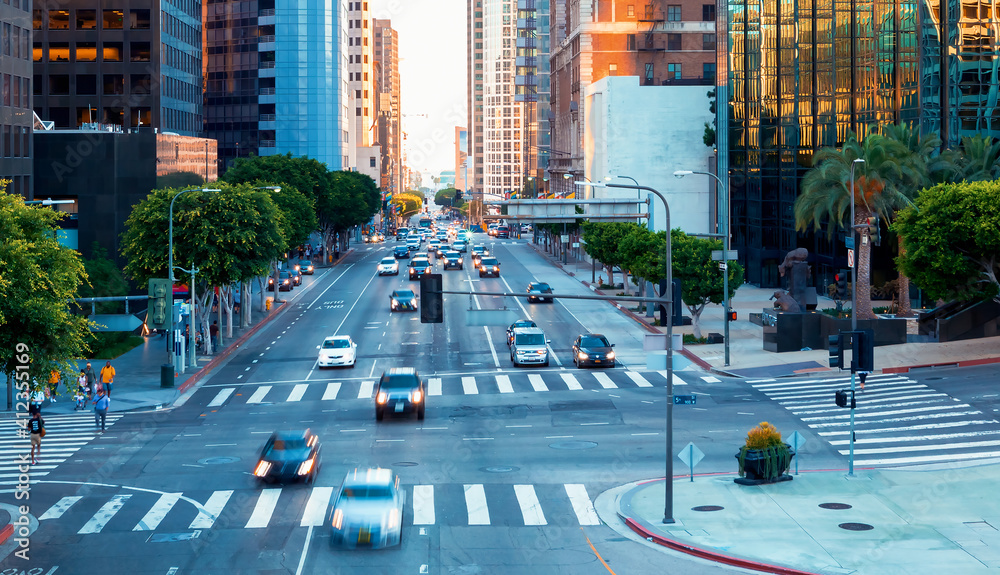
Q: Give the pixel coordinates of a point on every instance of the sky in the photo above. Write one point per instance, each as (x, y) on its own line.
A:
(432, 52)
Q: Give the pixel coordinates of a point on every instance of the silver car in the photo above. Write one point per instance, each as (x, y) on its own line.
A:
(367, 511)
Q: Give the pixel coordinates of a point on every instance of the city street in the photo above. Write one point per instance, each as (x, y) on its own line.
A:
(500, 477)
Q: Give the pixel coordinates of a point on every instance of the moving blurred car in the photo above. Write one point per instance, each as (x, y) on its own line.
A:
(419, 267)
(413, 242)
(401, 392)
(367, 510)
(479, 252)
(517, 324)
(338, 350)
(389, 266)
(289, 456)
(402, 299)
(296, 276)
(529, 346)
(537, 292)
(433, 245)
(306, 267)
(593, 349)
(453, 260)
(459, 247)
(502, 232)
(489, 267)
(284, 281)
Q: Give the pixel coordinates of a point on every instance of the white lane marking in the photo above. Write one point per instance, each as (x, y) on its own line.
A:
(605, 381)
(366, 390)
(258, 396)
(332, 389)
(210, 511)
(157, 512)
(469, 386)
(308, 307)
(571, 381)
(531, 509)
(582, 506)
(536, 382)
(493, 349)
(315, 510)
(221, 397)
(475, 502)
(104, 514)
(423, 505)
(638, 379)
(677, 378)
(503, 383)
(305, 550)
(61, 506)
(297, 392)
(434, 386)
(710, 379)
(264, 508)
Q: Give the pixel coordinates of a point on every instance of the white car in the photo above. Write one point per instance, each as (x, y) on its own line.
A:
(338, 350)
(388, 266)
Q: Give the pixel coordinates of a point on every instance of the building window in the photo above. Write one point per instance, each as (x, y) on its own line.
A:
(674, 13)
(139, 19)
(649, 72)
(113, 20)
(631, 10)
(141, 83)
(112, 51)
(708, 41)
(58, 84)
(630, 41)
(36, 19)
(708, 70)
(708, 12)
(38, 52)
(371, 162)
(86, 84)
(673, 71)
(612, 69)
(58, 19)
(85, 115)
(673, 41)
(114, 84)
(138, 51)
(86, 19)
(59, 51)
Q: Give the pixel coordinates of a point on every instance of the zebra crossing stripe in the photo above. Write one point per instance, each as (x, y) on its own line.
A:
(315, 510)
(537, 383)
(909, 428)
(60, 507)
(434, 386)
(258, 396)
(929, 458)
(264, 508)
(710, 379)
(866, 405)
(423, 505)
(895, 419)
(297, 392)
(221, 397)
(367, 389)
(912, 448)
(332, 389)
(469, 385)
(907, 438)
(475, 503)
(868, 398)
(503, 383)
(571, 381)
(157, 512)
(103, 515)
(531, 510)
(885, 413)
(639, 380)
(605, 381)
(584, 509)
(209, 512)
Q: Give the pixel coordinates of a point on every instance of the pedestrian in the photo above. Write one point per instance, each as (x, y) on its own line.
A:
(36, 400)
(81, 390)
(101, 405)
(91, 381)
(53, 385)
(37, 428)
(308, 252)
(108, 377)
(213, 331)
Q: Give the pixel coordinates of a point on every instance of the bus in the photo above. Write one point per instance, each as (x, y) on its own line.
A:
(426, 222)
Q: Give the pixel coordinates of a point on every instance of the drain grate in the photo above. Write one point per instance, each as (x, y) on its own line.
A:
(499, 469)
(856, 526)
(834, 506)
(218, 460)
(708, 508)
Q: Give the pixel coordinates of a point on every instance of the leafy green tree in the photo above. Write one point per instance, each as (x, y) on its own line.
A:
(105, 280)
(38, 276)
(352, 200)
(602, 242)
(702, 281)
(445, 197)
(980, 159)
(309, 176)
(639, 254)
(952, 239)
(409, 204)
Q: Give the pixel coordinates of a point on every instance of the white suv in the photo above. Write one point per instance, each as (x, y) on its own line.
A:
(388, 266)
(529, 346)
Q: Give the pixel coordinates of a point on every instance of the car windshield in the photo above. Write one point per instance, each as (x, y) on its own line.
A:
(403, 294)
(288, 444)
(592, 341)
(451, 254)
(489, 261)
(368, 492)
(530, 339)
(336, 344)
(525, 323)
(306, 263)
(540, 287)
(401, 381)
(388, 261)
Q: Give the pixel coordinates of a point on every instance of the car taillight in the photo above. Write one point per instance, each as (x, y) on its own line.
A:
(262, 468)
(381, 398)
(338, 519)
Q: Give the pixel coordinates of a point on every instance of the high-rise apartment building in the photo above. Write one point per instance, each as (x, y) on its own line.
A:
(503, 116)
(390, 134)
(362, 80)
(461, 158)
(661, 42)
(533, 87)
(127, 64)
(474, 71)
(16, 118)
(276, 79)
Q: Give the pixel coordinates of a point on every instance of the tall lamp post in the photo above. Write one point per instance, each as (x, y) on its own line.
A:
(854, 310)
(725, 250)
(668, 509)
(649, 226)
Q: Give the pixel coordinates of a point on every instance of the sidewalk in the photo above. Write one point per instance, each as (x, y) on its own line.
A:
(941, 519)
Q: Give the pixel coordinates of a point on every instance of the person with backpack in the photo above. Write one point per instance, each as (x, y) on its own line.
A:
(101, 405)
(36, 425)
(107, 378)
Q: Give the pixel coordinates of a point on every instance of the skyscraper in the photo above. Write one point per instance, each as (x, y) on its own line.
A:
(474, 66)
(503, 123)
(362, 78)
(532, 86)
(390, 135)
(15, 109)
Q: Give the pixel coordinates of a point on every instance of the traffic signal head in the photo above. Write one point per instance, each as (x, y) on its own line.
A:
(836, 347)
(842, 292)
(874, 231)
(731, 316)
(161, 299)
(863, 350)
(431, 299)
(845, 396)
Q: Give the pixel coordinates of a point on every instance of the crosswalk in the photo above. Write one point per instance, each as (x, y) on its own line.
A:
(481, 384)
(65, 435)
(898, 421)
(425, 505)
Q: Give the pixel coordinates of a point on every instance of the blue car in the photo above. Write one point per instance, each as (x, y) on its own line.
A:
(401, 252)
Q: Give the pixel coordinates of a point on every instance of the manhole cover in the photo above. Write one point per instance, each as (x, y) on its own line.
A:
(573, 445)
(834, 506)
(934, 378)
(499, 469)
(218, 460)
(856, 526)
(708, 508)
(405, 464)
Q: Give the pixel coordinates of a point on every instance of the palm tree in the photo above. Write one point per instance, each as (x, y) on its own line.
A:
(878, 190)
(980, 159)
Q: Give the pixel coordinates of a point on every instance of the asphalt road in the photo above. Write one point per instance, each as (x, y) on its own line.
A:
(506, 464)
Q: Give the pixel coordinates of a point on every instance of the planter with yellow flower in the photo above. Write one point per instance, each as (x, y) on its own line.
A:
(765, 458)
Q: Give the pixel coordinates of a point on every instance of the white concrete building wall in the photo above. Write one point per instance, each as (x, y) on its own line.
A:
(648, 132)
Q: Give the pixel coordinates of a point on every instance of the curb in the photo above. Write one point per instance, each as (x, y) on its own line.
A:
(967, 363)
(6, 532)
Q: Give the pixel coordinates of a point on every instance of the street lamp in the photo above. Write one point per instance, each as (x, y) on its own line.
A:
(47, 202)
(725, 251)
(668, 509)
(854, 311)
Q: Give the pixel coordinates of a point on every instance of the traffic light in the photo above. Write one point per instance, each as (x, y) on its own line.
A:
(458, 194)
(841, 398)
(874, 232)
(731, 316)
(836, 347)
(161, 295)
(431, 299)
(842, 292)
(863, 350)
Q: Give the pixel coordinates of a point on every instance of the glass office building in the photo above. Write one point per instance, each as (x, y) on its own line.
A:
(15, 106)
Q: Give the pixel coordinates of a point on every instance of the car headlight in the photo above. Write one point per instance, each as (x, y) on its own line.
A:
(306, 466)
(262, 468)
(338, 519)
(381, 398)
(496, 269)
(394, 303)
(392, 521)
(582, 355)
(611, 355)
(417, 396)
(413, 301)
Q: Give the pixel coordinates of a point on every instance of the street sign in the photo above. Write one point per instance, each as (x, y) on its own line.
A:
(796, 441)
(685, 399)
(115, 322)
(849, 240)
(691, 456)
(850, 258)
(730, 255)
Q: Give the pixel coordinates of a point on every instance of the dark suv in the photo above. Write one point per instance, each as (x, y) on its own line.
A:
(401, 392)
(489, 267)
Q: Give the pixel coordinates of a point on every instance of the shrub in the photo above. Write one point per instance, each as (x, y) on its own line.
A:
(776, 454)
(763, 436)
